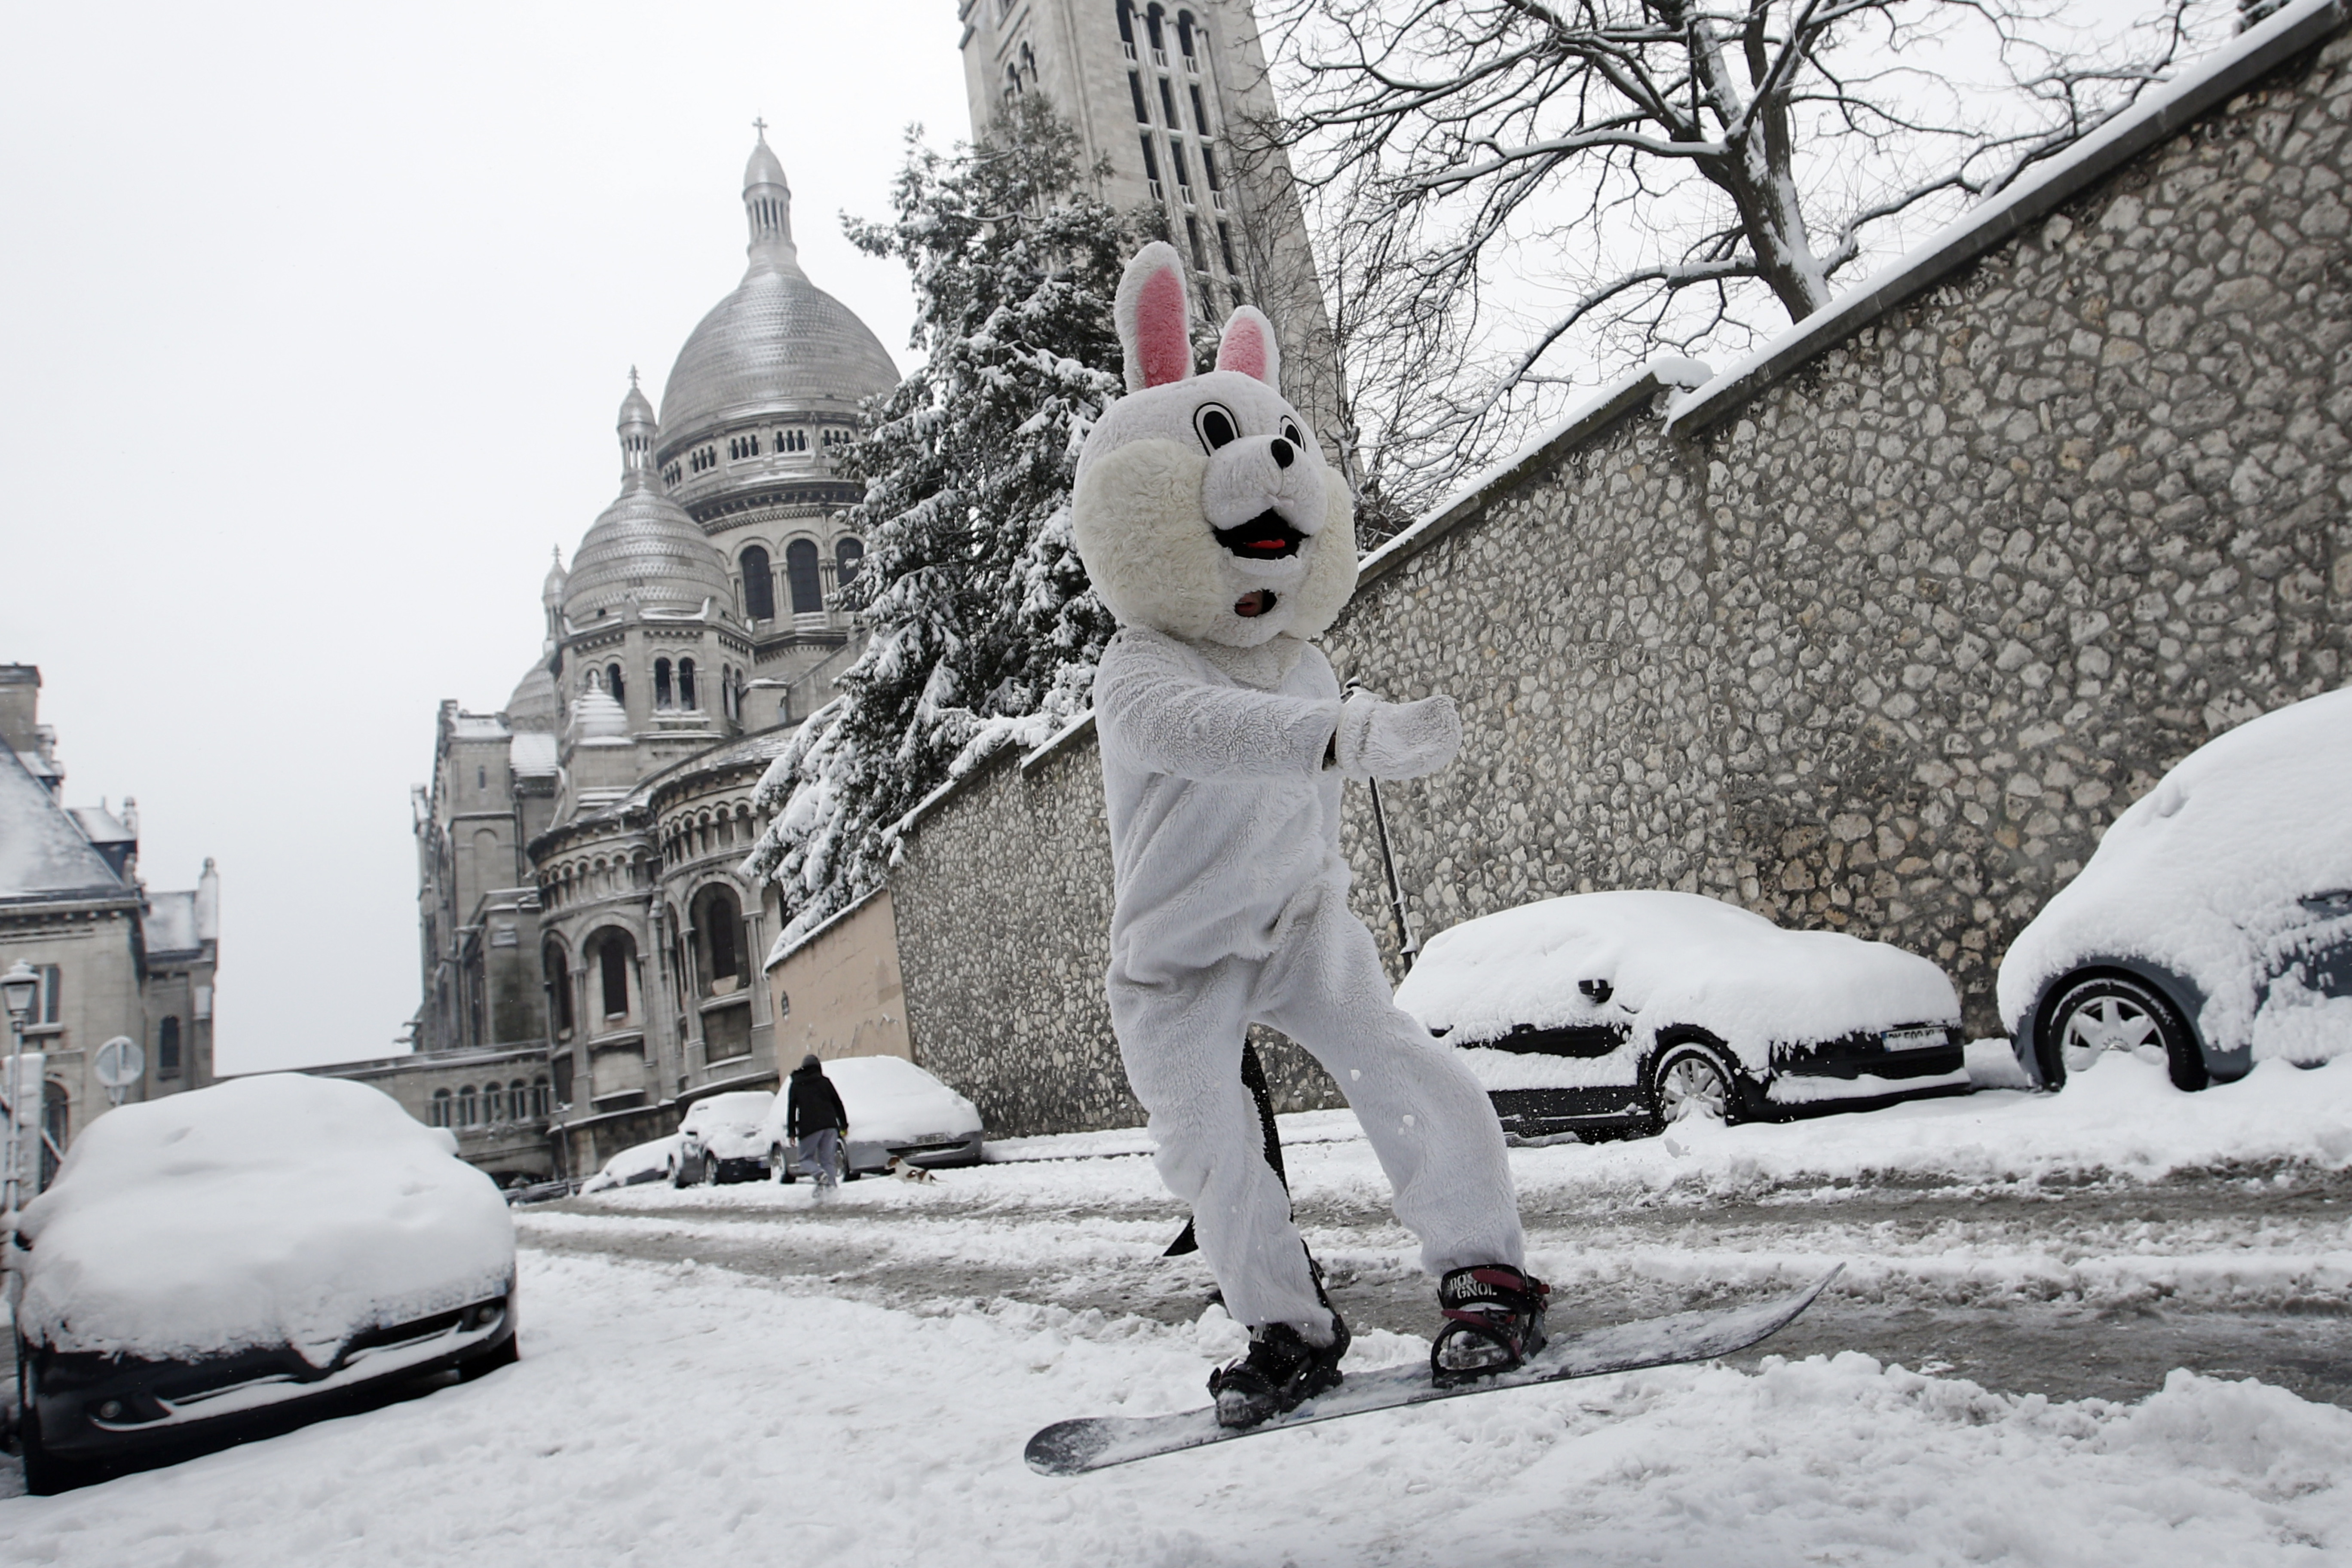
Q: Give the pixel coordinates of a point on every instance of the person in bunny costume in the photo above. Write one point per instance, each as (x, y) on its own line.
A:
(1210, 526)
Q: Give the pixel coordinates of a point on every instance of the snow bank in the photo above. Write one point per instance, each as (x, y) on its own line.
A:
(2204, 876)
(637, 1163)
(912, 1452)
(1671, 958)
(272, 1210)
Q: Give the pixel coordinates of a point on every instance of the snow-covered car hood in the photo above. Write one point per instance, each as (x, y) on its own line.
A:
(2206, 874)
(1668, 958)
(263, 1211)
(732, 1126)
(889, 1099)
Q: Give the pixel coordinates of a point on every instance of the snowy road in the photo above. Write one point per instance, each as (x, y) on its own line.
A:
(854, 1382)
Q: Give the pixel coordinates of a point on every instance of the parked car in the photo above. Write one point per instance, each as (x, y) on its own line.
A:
(238, 1260)
(894, 1109)
(637, 1163)
(722, 1138)
(1616, 1012)
(2212, 929)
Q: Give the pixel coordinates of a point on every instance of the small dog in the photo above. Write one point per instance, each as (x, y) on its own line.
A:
(906, 1173)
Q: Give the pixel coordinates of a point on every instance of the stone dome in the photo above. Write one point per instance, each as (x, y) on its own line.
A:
(778, 343)
(644, 546)
(534, 705)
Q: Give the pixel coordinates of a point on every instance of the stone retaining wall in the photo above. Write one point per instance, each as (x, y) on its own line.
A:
(1882, 649)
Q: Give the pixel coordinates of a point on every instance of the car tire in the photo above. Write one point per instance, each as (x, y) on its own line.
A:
(2090, 1014)
(779, 1160)
(46, 1475)
(678, 1174)
(1689, 1077)
(710, 1172)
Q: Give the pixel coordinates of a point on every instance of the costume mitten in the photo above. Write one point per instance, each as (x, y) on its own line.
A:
(1380, 740)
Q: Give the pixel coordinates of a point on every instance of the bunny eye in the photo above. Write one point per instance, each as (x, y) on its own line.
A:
(1290, 434)
(1215, 425)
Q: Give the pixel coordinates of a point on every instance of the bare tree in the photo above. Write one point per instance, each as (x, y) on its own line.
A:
(1655, 174)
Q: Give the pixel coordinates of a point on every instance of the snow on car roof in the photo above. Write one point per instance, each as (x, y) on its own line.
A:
(891, 1101)
(2222, 847)
(1674, 957)
(279, 1209)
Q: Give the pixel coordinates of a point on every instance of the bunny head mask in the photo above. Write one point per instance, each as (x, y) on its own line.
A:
(1202, 507)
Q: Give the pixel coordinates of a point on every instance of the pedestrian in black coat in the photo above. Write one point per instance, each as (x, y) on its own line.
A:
(815, 1119)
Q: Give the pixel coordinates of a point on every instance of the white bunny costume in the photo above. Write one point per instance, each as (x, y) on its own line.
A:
(1209, 523)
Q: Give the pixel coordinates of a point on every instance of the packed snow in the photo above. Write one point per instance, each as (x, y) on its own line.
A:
(274, 1210)
(638, 1163)
(891, 1430)
(2206, 875)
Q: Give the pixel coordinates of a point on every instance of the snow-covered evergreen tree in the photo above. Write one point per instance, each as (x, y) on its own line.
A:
(984, 632)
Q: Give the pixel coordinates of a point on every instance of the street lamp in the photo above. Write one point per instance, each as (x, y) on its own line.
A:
(18, 985)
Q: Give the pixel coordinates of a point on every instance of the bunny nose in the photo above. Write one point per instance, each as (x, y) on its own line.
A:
(1282, 453)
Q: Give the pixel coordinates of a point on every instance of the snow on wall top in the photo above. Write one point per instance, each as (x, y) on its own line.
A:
(170, 923)
(42, 854)
(532, 751)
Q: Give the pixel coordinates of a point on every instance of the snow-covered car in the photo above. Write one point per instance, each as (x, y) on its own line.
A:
(723, 1139)
(637, 1163)
(1620, 1012)
(2212, 929)
(241, 1259)
(895, 1109)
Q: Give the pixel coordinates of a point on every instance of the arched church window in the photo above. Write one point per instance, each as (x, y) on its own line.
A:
(848, 556)
(167, 1048)
(613, 967)
(1012, 83)
(613, 683)
(438, 1115)
(1127, 25)
(686, 698)
(559, 992)
(800, 575)
(469, 1108)
(661, 683)
(758, 586)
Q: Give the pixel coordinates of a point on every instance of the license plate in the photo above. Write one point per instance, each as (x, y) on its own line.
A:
(1915, 1040)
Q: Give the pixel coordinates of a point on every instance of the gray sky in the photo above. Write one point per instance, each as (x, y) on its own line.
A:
(314, 321)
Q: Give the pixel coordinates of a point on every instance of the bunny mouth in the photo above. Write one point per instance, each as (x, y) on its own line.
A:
(1265, 537)
(1254, 604)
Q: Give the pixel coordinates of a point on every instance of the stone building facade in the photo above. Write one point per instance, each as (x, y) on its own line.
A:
(578, 902)
(116, 959)
(1167, 98)
(1875, 633)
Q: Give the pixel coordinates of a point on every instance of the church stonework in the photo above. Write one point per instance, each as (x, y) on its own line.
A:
(577, 849)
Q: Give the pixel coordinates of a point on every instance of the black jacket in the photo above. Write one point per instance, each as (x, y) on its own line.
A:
(812, 1105)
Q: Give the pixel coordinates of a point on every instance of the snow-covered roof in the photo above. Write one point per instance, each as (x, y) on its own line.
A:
(478, 727)
(169, 925)
(42, 854)
(100, 825)
(534, 752)
(39, 766)
(2162, 111)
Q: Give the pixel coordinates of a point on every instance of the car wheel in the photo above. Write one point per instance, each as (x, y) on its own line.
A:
(46, 1475)
(1691, 1080)
(676, 1173)
(2094, 1015)
(780, 1161)
(709, 1171)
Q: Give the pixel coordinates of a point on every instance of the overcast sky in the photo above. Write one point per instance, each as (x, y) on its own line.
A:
(315, 320)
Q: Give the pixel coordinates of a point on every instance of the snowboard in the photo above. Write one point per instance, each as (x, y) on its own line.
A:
(1094, 1443)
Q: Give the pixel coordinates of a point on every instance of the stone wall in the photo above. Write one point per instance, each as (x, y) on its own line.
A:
(1881, 646)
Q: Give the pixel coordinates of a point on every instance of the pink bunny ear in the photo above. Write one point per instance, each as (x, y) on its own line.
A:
(1248, 346)
(1155, 317)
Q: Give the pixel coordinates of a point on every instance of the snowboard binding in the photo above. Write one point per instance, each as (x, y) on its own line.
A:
(1281, 1371)
(1494, 1322)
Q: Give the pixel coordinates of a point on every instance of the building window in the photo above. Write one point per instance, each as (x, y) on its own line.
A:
(469, 1109)
(838, 436)
(661, 683)
(494, 1104)
(686, 697)
(559, 992)
(738, 448)
(792, 440)
(48, 1002)
(1200, 124)
(670, 475)
(1135, 91)
(702, 459)
(758, 586)
(1151, 167)
(784, 709)
(1200, 251)
(1225, 243)
(538, 1100)
(719, 924)
(612, 964)
(848, 556)
(801, 578)
(167, 1048)
(613, 683)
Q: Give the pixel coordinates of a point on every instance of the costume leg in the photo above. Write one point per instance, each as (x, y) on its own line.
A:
(1429, 1121)
(1181, 1042)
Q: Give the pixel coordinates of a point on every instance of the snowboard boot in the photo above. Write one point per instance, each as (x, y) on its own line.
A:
(1280, 1373)
(1494, 1322)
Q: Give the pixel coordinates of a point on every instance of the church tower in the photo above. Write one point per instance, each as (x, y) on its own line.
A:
(1164, 92)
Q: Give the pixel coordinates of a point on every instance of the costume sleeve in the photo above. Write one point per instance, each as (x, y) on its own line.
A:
(1151, 704)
